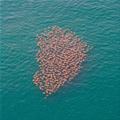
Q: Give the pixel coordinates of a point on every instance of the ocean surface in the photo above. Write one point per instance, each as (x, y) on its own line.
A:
(94, 94)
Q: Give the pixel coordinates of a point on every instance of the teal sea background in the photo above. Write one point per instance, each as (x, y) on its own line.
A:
(94, 94)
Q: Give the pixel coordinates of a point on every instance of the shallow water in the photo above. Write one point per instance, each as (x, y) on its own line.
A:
(94, 93)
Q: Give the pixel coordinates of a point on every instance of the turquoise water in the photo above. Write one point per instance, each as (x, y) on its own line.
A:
(94, 93)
